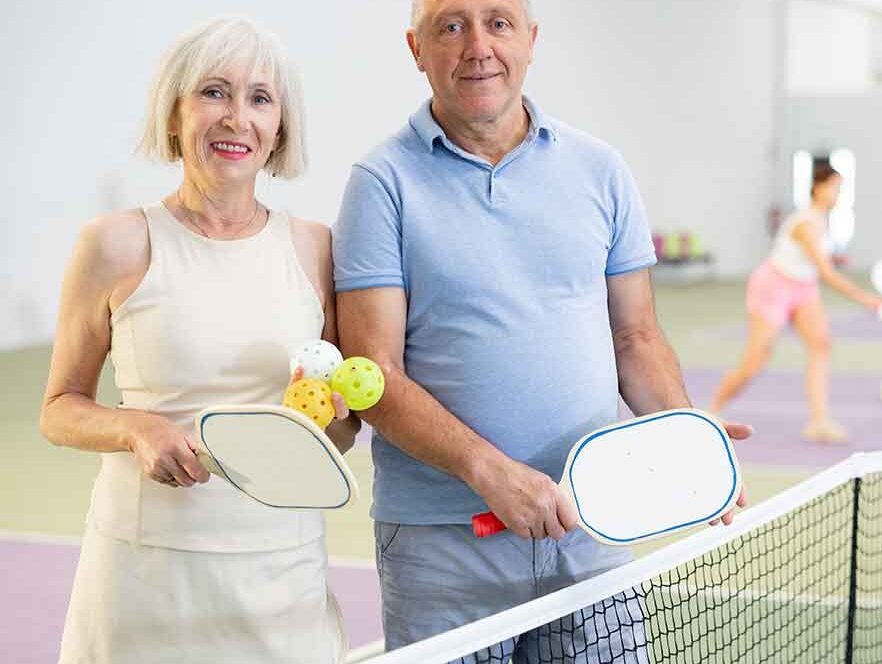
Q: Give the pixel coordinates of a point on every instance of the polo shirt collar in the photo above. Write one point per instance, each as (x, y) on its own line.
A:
(428, 129)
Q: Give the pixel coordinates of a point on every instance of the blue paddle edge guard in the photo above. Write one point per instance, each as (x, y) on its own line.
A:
(713, 515)
(247, 493)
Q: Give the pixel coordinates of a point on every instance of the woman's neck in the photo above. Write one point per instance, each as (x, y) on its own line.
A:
(820, 208)
(217, 212)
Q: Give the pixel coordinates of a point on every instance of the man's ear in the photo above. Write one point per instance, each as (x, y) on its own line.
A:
(413, 44)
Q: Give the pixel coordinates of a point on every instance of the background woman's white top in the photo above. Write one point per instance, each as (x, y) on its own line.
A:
(788, 256)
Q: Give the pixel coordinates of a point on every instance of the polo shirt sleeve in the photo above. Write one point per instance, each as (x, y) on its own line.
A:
(367, 235)
(631, 246)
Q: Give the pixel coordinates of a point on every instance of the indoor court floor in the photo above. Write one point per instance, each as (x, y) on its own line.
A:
(44, 490)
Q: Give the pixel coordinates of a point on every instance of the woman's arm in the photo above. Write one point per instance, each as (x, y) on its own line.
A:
(313, 243)
(808, 239)
(110, 254)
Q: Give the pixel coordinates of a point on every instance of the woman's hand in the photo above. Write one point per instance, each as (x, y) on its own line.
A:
(165, 452)
(344, 427)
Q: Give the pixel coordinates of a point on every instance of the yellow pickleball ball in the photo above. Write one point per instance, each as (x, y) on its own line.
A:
(360, 381)
(312, 397)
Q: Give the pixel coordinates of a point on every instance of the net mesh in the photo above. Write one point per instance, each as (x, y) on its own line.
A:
(803, 587)
(868, 611)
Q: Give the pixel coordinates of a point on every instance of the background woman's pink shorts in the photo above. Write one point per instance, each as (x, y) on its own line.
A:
(775, 296)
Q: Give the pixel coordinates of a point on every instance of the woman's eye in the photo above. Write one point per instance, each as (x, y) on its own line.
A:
(212, 93)
(262, 99)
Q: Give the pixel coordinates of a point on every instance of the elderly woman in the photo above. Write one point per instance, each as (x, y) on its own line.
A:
(198, 299)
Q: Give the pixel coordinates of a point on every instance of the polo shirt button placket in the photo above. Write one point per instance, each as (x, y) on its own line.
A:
(496, 197)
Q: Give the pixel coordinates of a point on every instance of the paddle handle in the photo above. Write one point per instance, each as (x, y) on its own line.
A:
(210, 464)
(486, 524)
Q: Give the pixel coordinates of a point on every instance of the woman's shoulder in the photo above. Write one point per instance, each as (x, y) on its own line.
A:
(312, 233)
(807, 214)
(118, 240)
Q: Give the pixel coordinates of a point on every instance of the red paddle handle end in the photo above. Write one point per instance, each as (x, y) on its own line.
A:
(487, 524)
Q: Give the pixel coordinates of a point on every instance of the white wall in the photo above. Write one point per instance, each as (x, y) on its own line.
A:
(714, 165)
(831, 48)
(684, 87)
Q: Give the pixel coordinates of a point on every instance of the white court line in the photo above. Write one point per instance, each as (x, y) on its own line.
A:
(354, 563)
(38, 538)
(686, 592)
(799, 407)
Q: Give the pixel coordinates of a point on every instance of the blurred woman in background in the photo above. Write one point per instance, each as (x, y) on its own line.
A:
(784, 289)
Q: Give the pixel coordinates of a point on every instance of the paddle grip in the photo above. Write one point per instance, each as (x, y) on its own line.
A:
(486, 524)
(209, 462)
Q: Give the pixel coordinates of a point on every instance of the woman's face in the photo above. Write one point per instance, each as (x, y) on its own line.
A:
(827, 192)
(229, 125)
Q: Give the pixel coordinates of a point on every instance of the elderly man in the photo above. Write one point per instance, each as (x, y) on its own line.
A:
(495, 262)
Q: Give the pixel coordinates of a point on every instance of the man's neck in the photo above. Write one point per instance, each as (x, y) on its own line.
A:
(490, 139)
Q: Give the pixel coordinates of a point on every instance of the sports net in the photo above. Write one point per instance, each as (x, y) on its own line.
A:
(795, 579)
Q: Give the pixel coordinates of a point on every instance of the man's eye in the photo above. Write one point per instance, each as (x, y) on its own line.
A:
(452, 28)
(499, 24)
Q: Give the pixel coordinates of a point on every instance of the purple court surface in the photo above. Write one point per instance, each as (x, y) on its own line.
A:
(36, 580)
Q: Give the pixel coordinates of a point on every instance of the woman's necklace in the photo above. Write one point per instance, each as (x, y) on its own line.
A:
(190, 220)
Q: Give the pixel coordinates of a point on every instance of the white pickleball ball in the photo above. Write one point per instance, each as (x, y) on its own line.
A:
(319, 359)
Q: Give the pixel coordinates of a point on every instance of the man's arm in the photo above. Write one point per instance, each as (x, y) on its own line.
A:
(371, 323)
(649, 373)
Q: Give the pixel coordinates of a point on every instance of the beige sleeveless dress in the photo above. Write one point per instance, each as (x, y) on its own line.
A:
(203, 574)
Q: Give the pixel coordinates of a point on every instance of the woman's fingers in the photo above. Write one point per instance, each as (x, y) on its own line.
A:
(341, 410)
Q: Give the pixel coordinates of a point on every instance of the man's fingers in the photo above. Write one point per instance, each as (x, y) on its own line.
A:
(555, 529)
(567, 513)
(738, 431)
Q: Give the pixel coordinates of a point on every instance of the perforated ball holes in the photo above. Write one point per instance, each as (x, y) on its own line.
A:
(312, 397)
(360, 381)
(319, 359)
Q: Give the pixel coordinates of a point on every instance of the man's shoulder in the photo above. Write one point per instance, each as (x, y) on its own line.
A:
(400, 149)
(582, 141)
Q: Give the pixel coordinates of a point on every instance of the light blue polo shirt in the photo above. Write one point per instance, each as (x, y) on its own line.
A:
(504, 269)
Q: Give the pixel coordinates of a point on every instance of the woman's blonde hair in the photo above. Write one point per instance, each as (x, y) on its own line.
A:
(208, 49)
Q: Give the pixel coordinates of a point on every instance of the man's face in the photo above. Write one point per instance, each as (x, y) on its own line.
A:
(475, 54)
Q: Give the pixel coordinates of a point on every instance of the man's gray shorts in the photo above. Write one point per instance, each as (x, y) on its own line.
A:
(435, 578)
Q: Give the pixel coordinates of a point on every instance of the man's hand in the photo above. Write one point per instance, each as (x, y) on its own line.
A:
(528, 502)
(736, 432)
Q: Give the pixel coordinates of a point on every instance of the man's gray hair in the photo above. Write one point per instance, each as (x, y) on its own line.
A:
(417, 9)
